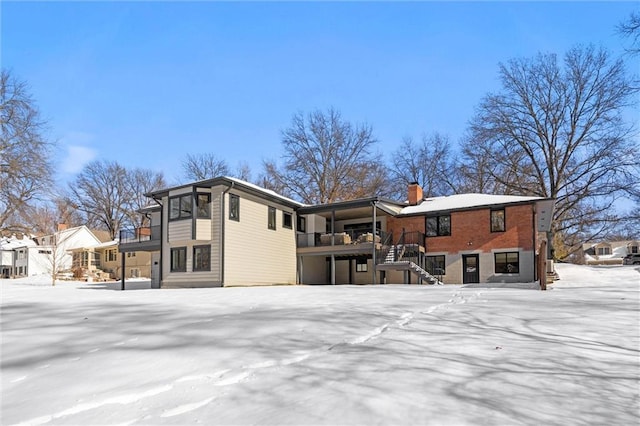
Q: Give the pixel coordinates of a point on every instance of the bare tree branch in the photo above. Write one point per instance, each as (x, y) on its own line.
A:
(25, 154)
(326, 159)
(198, 167)
(558, 131)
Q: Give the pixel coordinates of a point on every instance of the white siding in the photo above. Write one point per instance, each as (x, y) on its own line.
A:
(216, 231)
(253, 253)
(203, 229)
(207, 233)
(180, 230)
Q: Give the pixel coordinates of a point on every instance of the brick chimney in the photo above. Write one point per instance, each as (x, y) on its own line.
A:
(415, 193)
(62, 227)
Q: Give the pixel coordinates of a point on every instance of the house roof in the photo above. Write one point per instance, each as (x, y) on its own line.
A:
(13, 242)
(103, 236)
(612, 244)
(232, 182)
(106, 244)
(465, 202)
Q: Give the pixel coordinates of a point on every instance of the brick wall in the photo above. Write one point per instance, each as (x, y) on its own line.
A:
(473, 226)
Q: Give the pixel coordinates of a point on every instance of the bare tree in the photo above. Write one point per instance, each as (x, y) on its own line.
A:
(474, 171)
(326, 159)
(631, 30)
(140, 182)
(427, 163)
(198, 167)
(559, 132)
(44, 217)
(25, 154)
(102, 192)
(243, 172)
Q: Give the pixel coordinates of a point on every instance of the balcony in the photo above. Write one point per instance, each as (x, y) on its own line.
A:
(348, 242)
(146, 238)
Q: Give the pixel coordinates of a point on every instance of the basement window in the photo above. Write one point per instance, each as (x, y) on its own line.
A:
(507, 263)
(436, 265)
(361, 265)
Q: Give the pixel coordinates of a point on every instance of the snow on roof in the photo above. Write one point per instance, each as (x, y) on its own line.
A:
(13, 242)
(263, 190)
(464, 201)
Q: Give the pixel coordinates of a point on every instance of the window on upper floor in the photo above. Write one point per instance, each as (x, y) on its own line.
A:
(271, 219)
(437, 226)
(634, 249)
(302, 224)
(234, 207)
(180, 207)
(204, 206)
(179, 259)
(507, 263)
(287, 220)
(603, 251)
(498, 220)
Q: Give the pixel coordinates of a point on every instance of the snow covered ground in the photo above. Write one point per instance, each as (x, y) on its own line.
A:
(84, 354)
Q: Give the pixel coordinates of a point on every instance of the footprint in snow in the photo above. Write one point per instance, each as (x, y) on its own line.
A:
(186, 408)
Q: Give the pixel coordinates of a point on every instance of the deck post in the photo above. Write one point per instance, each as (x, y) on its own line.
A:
(123, 272)
(373, 254)
(333, 256)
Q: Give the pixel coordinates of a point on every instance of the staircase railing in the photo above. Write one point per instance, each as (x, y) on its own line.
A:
(409, 247)
(386, 243)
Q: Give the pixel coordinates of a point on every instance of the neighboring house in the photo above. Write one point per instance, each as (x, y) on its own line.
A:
(55, 249)
(104, 262)
(609, 252)
(225, 232)
(15, 253)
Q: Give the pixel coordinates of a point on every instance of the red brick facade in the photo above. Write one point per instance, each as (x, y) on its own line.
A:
(471, 230)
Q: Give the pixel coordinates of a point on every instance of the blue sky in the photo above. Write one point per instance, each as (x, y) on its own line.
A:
(145, 83)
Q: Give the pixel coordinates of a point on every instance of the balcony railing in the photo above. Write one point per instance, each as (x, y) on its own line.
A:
(139, 235)
(339, 238)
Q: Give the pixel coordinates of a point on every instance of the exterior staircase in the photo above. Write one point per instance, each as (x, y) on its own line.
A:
(393, 261)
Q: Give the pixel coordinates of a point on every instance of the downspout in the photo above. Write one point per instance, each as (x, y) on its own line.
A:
(333, 254)
(161, 241)
(535, 246)
(194, 210)
(123, 269)
(222, 240)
